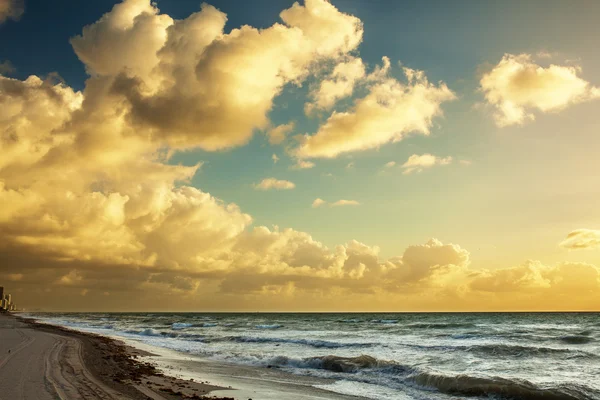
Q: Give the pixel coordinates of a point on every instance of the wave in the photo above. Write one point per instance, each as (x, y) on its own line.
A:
(576, 339)
(439, 325)
(507, 350)
(180, 325)
(206, 325)
(385, 321)
(145, 332)
(269, 326)
(339, 364)
(475, 386)
(523, 351)
(316, 343)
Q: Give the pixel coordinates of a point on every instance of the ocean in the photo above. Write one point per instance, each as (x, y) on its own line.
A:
(385, 356)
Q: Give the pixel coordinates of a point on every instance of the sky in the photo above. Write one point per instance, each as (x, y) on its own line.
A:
(312, 156)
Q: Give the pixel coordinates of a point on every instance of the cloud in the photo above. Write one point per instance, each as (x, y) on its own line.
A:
(11, 9)
(318, 203)
(390, 164)
(338, 85)
(420, 261)
(89, 203)
(275, 158)
(188, 83)
(533, 276)
(416, 163)
(342, 202)
(339, 203)
(272, 183)
(303, 164)
(517, 86)
(277, 134)
(581, 239)
(390, 111)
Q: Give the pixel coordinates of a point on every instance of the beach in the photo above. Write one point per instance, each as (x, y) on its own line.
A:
(307, 356)
(50, 361)
(39, 361)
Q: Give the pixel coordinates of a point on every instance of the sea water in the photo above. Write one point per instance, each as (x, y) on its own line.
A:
(405, 355)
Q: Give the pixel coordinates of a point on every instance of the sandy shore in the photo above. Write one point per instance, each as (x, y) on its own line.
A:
(39, 361)
(249, 382)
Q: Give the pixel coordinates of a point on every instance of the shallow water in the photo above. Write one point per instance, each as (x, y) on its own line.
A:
(409, 356)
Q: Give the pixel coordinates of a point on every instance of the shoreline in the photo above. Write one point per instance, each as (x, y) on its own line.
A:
(50, 361)
(141, 371)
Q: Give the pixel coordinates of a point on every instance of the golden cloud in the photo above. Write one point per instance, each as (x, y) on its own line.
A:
(390, 111)
(580, 239)
(277, 134)
(272, 183)
(188, 83)
(11, 9)
(517, 85)
(416, 163)
(338, 85)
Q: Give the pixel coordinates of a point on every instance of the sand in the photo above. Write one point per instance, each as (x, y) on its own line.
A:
(42, 362)
(248, 382)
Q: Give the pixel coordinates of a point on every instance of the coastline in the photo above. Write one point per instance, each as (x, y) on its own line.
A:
(129, 369)
(46, 361)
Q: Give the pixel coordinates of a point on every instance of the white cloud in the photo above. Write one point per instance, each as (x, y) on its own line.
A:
(272, 183)
(517, 85)
(277, 134)
(318, 203)
(275, 158)
(339, 203)
(390, 164)
(11, 9)
(580, 239)
(390, 111)
(416, 163)
(338, 85)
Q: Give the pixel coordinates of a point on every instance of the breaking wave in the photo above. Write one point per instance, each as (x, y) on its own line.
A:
(513, 389)
(576, 339)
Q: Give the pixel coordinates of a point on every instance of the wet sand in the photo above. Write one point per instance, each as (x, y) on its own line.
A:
(46, 362)
(249, 382)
